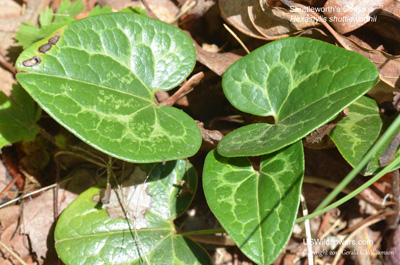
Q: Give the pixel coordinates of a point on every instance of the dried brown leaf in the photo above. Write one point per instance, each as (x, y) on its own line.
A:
(394, 245)
(10, 9)
(387, 64)
(394, 8)
(382, 92)
(387, 27)
(39, 213)
(235, 13)
(8, 216)
(201, 8)
(3, 177)
(216, 62)
(118, 4)
(276, 23)
(18, 243)
(38, 216)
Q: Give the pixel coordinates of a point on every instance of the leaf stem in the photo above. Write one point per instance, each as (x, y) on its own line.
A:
(184, 89)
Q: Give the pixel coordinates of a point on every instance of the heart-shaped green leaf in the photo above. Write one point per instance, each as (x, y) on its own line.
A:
(302, 83)
(356, 133)
(257, 209)
(18, 117)
(136, 226)
(97, 77)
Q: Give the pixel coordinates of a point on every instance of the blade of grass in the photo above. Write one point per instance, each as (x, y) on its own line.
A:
(384, 171)
(385, 137)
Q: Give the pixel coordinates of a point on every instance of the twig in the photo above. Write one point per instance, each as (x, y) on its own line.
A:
(390, 151)
(333, 227)
(183, 90)
(8, 66)
(320, 19)
(48, 136)
(384, 160)
(100, 164)
(186, 7)
(107, 192)
(210, 136)
(56, 208)
(308, 231)
(32, 193)
(354, 227)
(21, 210)
(8, 187)
(237, 38)
(325, 221)
(394, 219)
(316, 136)
(148, 10)
(13, 253)
(346, 242)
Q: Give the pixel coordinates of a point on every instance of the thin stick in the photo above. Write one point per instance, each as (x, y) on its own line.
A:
(100, 164)
(21, 209)
(58, 169)
(149, 12)
(9, 185)
(237, 38)
(32, 193)
(183, 90)
(345, 243)
(325, 221)
(186, 7)
(355, 227)
(15, 255)
(124, 206)
(308, 231)
(330, 229)
(8, 66)
(394, 220)
(107, 193)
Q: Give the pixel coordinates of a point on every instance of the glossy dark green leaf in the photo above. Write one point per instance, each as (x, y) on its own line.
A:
(136, 226)
(356, 133)
(18, 117)
(302, 83)
(99, 79)
(257, 209)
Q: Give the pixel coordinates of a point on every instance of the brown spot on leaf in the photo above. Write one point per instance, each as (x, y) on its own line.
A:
(35, 60)
(53, 40)
(45, 48)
